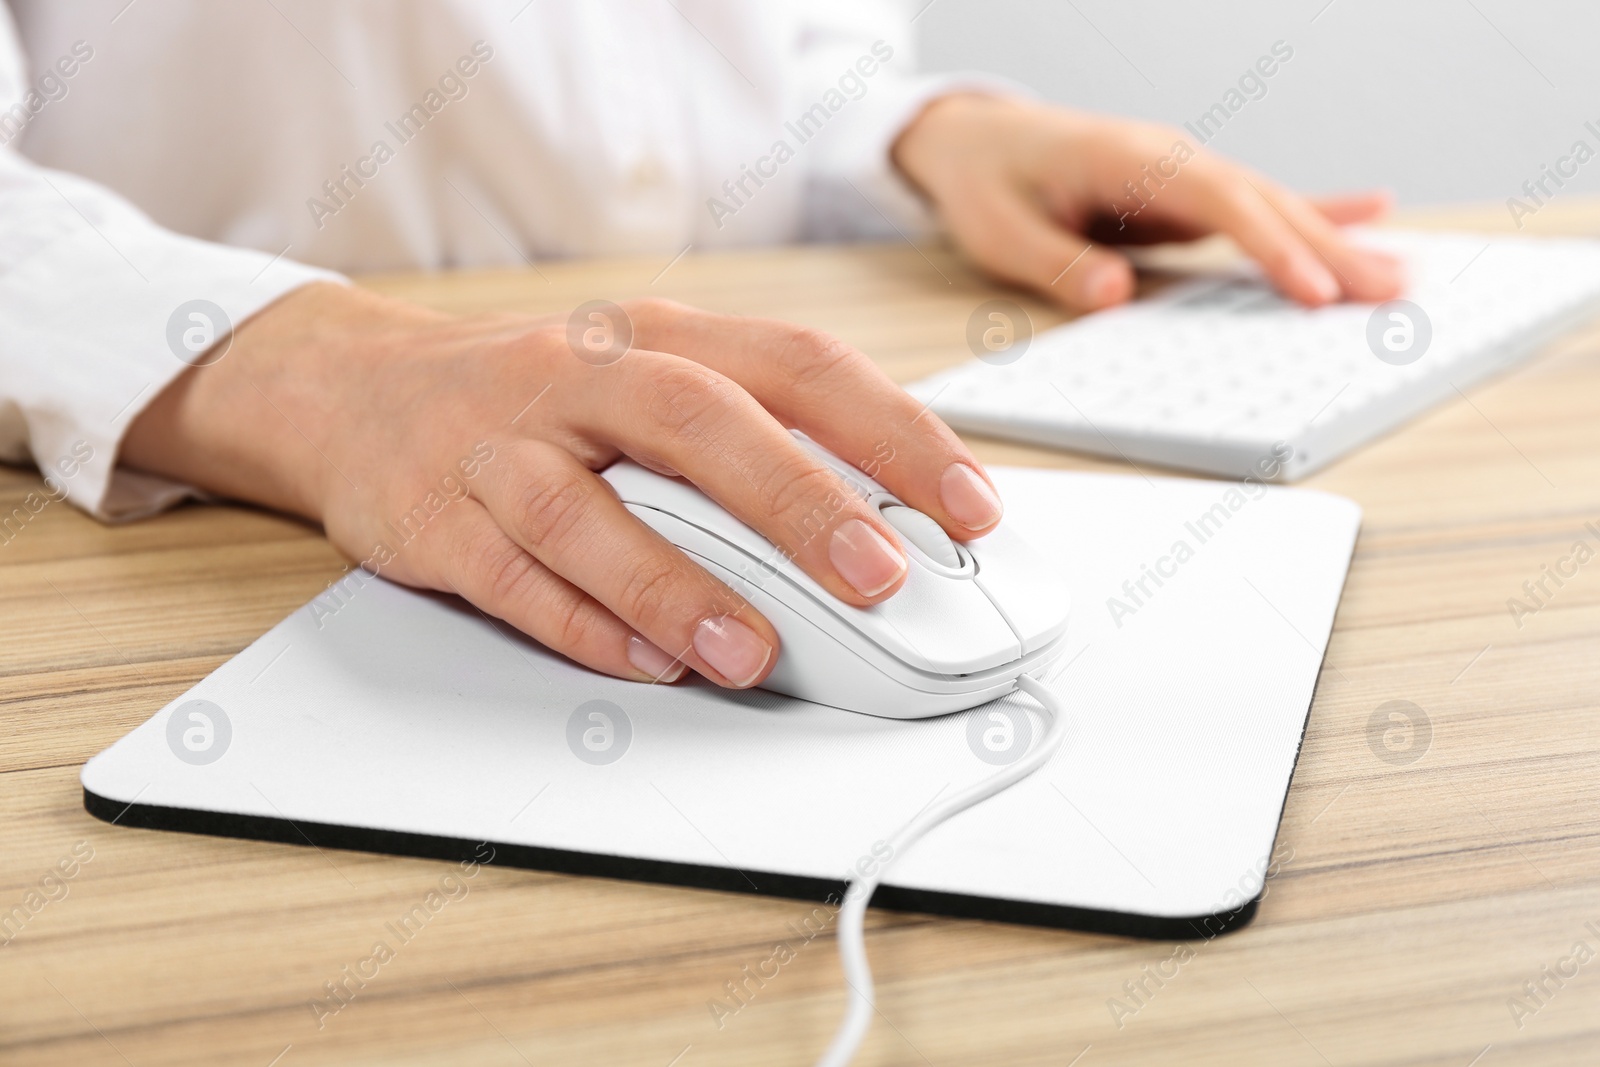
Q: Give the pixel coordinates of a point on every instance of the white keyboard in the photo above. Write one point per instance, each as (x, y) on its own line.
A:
(1221, 375)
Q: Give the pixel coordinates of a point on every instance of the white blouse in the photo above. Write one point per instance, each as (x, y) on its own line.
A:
(169, 167)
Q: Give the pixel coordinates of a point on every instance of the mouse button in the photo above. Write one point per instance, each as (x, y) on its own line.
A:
(1026, 588)
(940, 625)
(636, 485)
(777, 576)
(923, 533)
(640, 485)
(932, 624)
(752, 569)
(859, 482)
(866, 633)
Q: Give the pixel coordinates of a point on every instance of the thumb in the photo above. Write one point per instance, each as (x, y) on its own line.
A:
(1016, 241)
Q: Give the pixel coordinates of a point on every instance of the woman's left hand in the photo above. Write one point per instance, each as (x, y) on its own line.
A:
(1036, 195)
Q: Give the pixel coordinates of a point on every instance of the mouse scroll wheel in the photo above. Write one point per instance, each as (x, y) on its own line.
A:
(923, 532)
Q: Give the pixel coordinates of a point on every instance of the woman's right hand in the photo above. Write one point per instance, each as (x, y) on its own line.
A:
(359, 411)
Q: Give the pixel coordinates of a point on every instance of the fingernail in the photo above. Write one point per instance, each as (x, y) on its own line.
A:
(1319, 279)
(649, 659)
(732, 649)
(864, 558)
(968, 498)
(1105, 285)
(1393, 268)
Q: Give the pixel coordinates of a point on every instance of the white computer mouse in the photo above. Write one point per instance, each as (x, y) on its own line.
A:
(970, 618)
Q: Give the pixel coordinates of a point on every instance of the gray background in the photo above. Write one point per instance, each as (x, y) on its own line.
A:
(1439, 100)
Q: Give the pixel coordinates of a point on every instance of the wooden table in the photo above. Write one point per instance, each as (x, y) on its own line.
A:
(1419, 899)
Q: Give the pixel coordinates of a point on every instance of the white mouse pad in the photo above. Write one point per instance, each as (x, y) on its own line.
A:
(382, 719)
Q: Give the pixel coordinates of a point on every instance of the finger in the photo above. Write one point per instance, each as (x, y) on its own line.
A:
(560, 514)
(1154, 227)
(1018, 242)
(471, 556)
(1364, 274)
(845, 402)
(1350, 208)
(1147, 228)
(673, 413)
(1229, 201)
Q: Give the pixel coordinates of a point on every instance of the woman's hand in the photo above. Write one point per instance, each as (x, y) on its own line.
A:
(1035, 193)
(458, 454)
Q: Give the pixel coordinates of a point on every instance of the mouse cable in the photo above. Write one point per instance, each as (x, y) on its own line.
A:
(852, 937)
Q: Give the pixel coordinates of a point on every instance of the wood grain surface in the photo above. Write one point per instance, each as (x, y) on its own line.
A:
(1418, 897)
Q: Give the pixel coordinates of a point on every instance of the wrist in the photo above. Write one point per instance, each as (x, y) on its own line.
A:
(256, 425)
(968, 136)
(940, 130)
